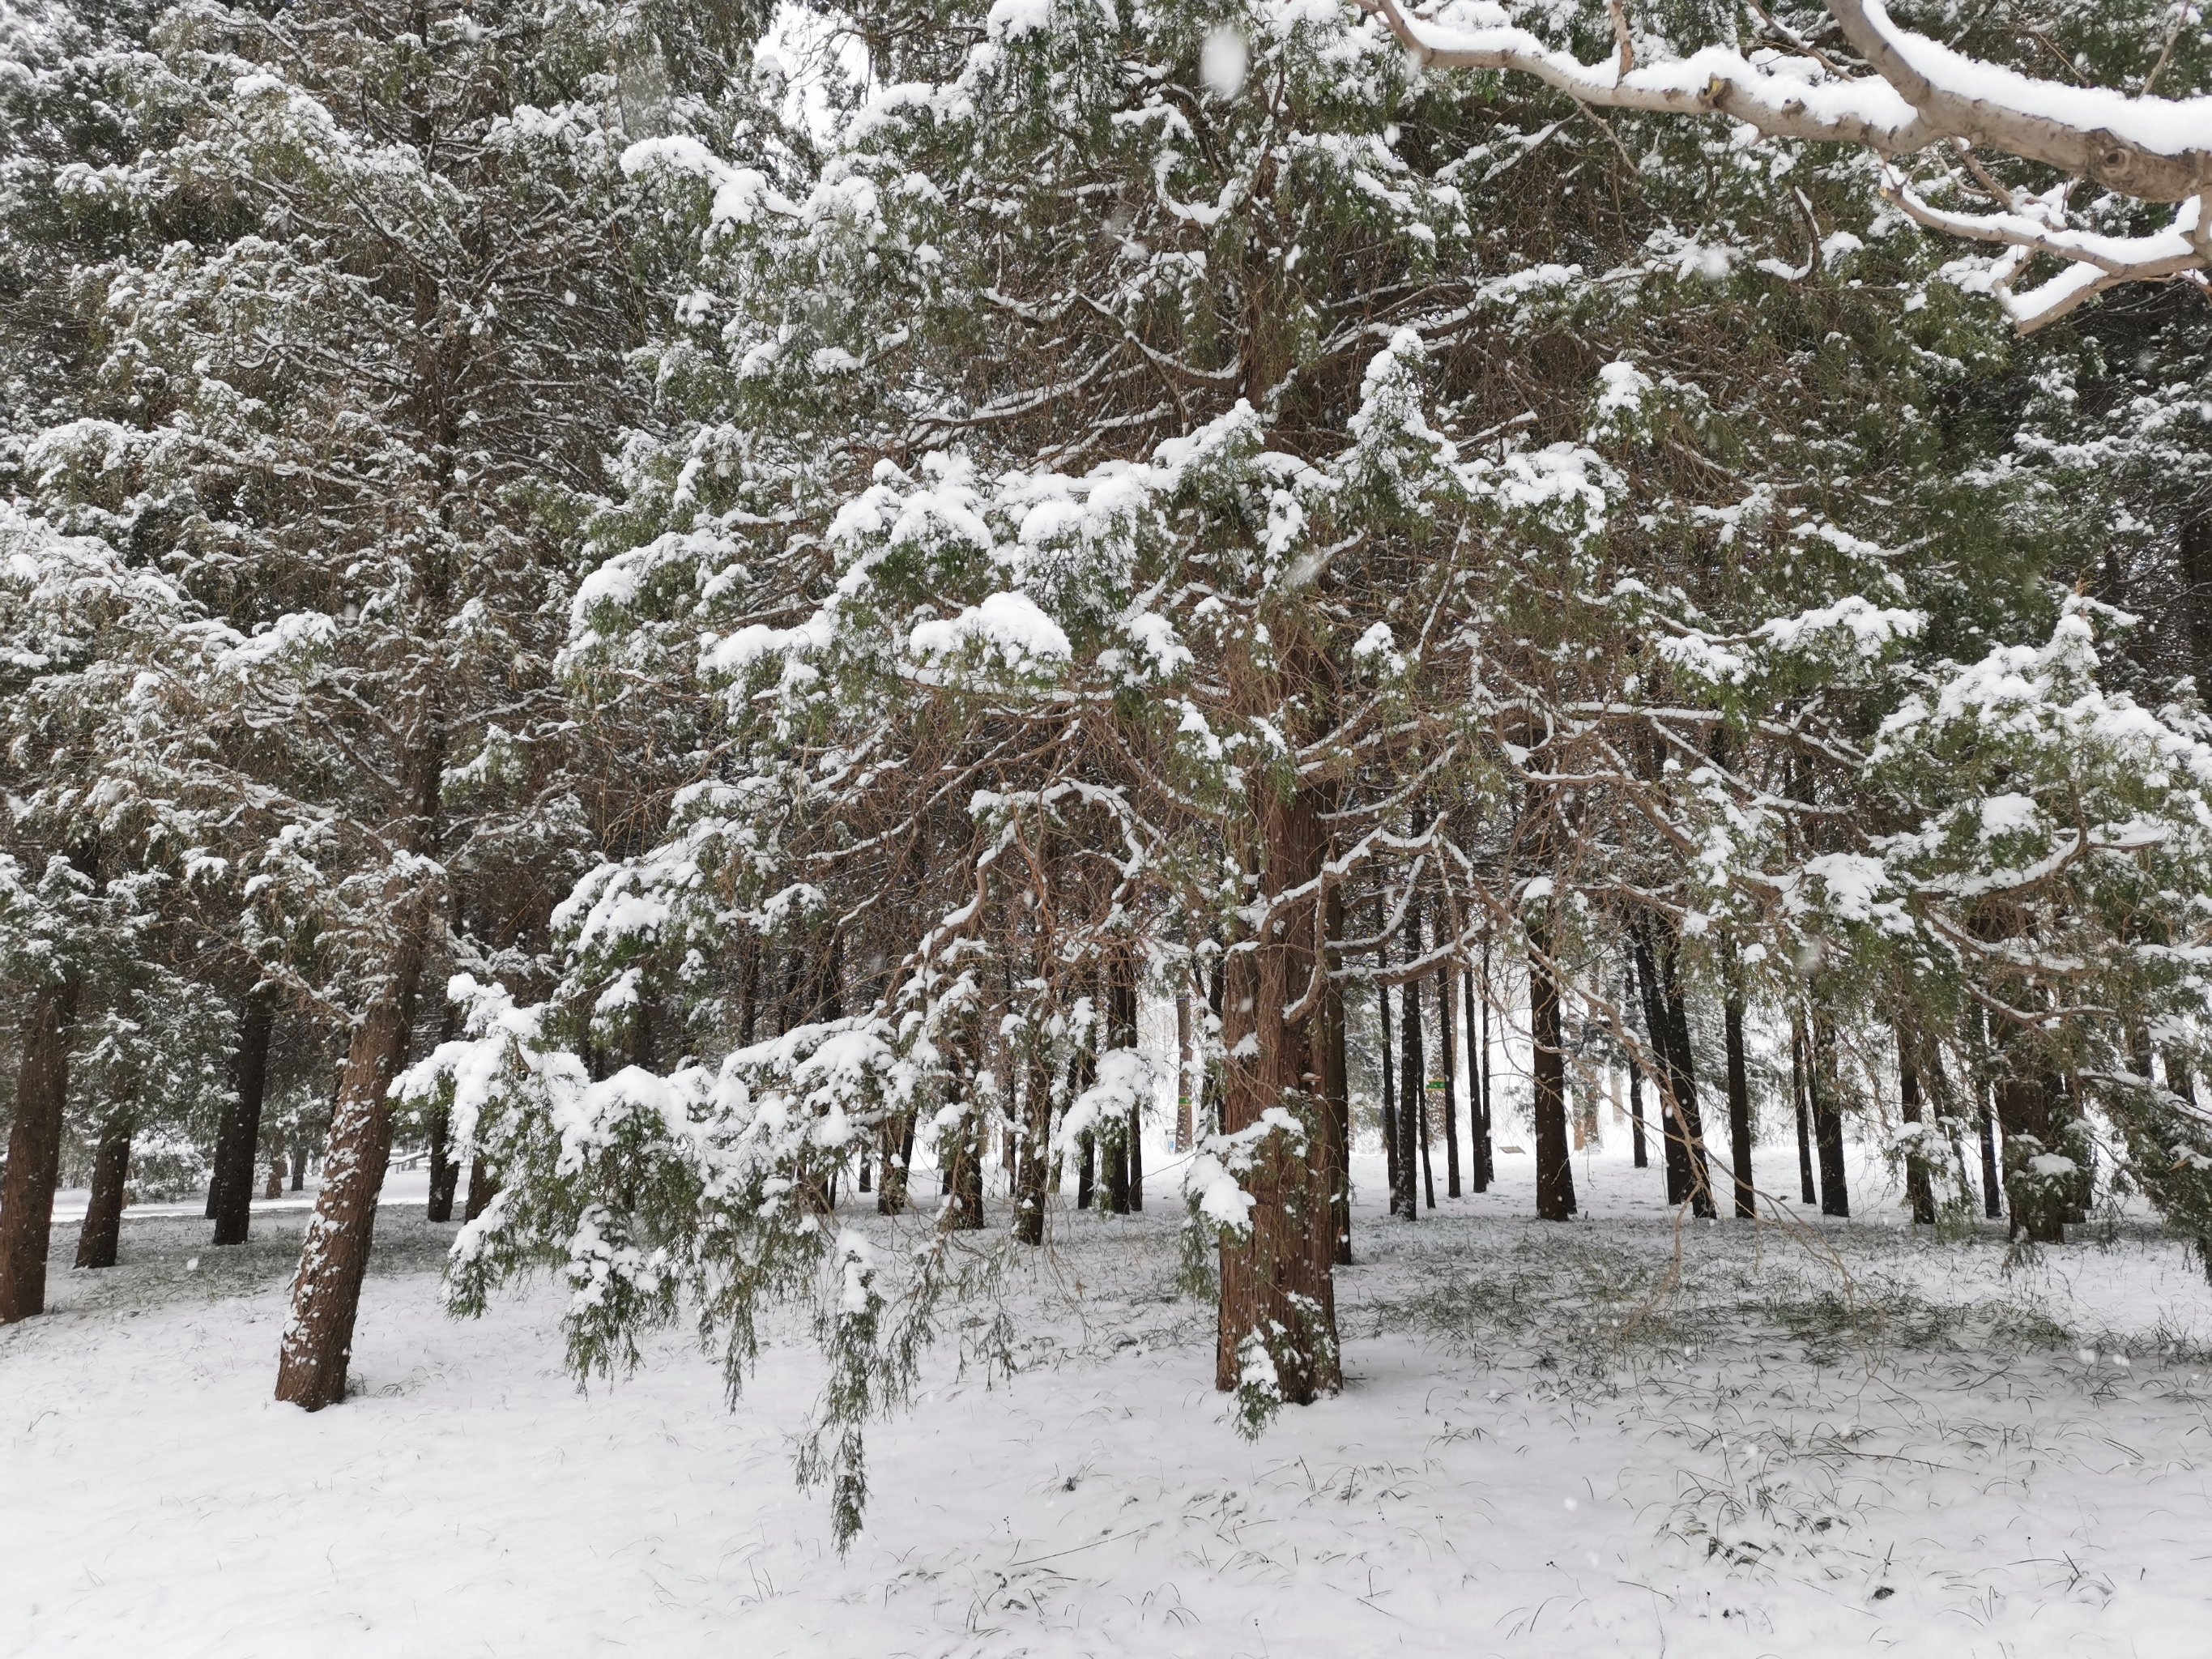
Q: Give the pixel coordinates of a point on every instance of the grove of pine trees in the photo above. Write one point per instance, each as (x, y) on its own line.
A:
(690, 611)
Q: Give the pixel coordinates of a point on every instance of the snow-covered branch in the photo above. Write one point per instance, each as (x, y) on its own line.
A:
(1921, 93)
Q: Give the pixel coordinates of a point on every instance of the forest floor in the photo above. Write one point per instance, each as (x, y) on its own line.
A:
(1827, 1438)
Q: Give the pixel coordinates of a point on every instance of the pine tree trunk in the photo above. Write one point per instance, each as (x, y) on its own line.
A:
(1449, 1051)
(444, 1171)
(1336, 1087)
(1827, 1121)
(1485, 1159)
(230, 1186)
(1030, 1167)
(96, 1241)
(1183, 1090)
(1555, 1170)
(1389, 1067)
(1666, 1018)
(2032, 1109)
(318, 1344)
(1412, 1065)
(897, 1161)
(1121, 1033)
(274, 1186)
(299, 1165)
(1641, 1151)
(483, 1188)
(34, 1150)
(1277, 1317)
(1801, 1099)
(1919, 1186)
(1739, 1094)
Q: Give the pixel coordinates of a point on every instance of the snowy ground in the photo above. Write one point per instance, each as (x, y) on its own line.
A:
(1869, 1441)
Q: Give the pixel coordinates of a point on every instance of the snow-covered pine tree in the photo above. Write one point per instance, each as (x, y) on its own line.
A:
(359, 358)
(1204, 543)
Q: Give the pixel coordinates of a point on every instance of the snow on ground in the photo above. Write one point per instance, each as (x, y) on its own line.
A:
(1840, 1440)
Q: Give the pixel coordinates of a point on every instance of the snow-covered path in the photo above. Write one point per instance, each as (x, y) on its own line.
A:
(1535, 1456)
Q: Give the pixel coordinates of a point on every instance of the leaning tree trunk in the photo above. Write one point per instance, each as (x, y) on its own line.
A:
(1547, 1069)
(1276, 1336)
(326, 1292)
(230, 1192)
(97, 1240)
(34, 1150)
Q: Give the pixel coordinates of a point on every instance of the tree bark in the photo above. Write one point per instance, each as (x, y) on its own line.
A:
(96, 1241)
(1667, 1020)
(1801, 1100)
(230, 1188)
(445, 1171)
(2035, 1114)
(1412, 1068)
(1389, 1067)
(1547, 1068)
(1277, 1317)
(1183, 1122)
(1919, 1188)
(1336, 1086)
(1449, 1051)
(1485, 1160)
(1029, 1166)
(1821, 1084)
(317, 1345)
(1642, 1152)
(34, 1150)
(1739, 1093)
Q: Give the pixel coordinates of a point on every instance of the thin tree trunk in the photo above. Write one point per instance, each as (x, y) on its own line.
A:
(1739, 1093)
(1640, 1150)
(1036, 1137)
(1555, 1170)
(899, 1163)
(1389, 1067)
(1183, 1090)
(1336, 1086)
(1919, 1189)
(1412, 1066)
(1449, 1050)
(34, 1150)
(1827, 1121)
(1801, 1099)
(102, 1232)
(1276, 1337)
(317, 1342)
(1689, 1173)
(230, 1189)
(274, 1187)
(1121, 1033)
(1485, 1155)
